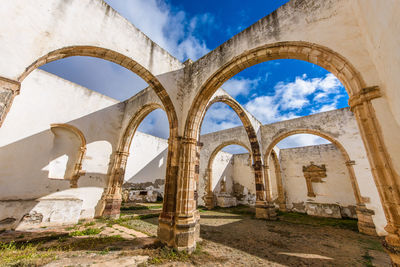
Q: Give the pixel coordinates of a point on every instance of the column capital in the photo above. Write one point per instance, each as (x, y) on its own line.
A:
(188, 140)
(366, 94)
(122, 153)
(184, 140)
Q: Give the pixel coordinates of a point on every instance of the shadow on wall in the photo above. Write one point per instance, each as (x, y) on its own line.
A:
(152, 171)
(30, 198)
(150, 178)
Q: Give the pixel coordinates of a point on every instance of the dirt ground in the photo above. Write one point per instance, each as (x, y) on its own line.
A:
(230, 237)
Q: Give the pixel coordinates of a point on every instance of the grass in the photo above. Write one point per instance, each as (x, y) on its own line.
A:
(25, 255)
(301, 218)
(88, 231)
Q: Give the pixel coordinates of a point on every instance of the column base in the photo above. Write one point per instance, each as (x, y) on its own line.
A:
(365, 223)
(183, 235)
(209, 201)
(112, 208)
(282, 207)
(391, 244)
(265, 210)
(165, 231)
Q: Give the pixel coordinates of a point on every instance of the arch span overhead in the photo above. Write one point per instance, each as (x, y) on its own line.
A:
(312, 53)
(209, 197)
(250, 124)
(117, 58)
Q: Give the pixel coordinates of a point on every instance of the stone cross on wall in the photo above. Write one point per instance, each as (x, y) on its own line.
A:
(313, 174)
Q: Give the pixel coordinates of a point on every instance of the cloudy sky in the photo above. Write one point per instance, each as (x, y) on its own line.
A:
(272, 91)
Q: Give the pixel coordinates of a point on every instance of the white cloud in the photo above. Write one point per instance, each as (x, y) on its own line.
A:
(219, 117)
(300, 140)
(170, 29)
(240, 86)
(291, 97)
(294, 95)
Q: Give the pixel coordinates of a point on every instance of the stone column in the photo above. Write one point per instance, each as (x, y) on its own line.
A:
(209, 199)
(166, 221)
(181, 228)
(187, 228)
(365, 223)
(386, 180)
(364, 215)
(265, 209)
(8, 90)
(279, 185)
(113, 197)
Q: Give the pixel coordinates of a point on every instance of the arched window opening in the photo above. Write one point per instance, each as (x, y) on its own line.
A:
(66, 155)
(228, 177)
(241, 135)
(144, 177)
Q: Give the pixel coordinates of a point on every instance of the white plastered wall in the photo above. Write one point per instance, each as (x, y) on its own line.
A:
(336, 187)
(26, 145)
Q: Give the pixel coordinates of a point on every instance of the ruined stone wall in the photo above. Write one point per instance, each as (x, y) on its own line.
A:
(26, 143)
(335, 189)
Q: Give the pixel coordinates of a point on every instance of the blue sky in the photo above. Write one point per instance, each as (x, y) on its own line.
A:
(272, 91)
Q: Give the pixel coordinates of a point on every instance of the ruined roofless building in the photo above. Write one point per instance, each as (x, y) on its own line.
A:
(356, 40)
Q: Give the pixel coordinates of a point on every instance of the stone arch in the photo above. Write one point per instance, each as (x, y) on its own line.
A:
(77, 172)
(210, 196)
(112, 196)
(253, 140)
(312, 53)
(118, 58)
(365, 223)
